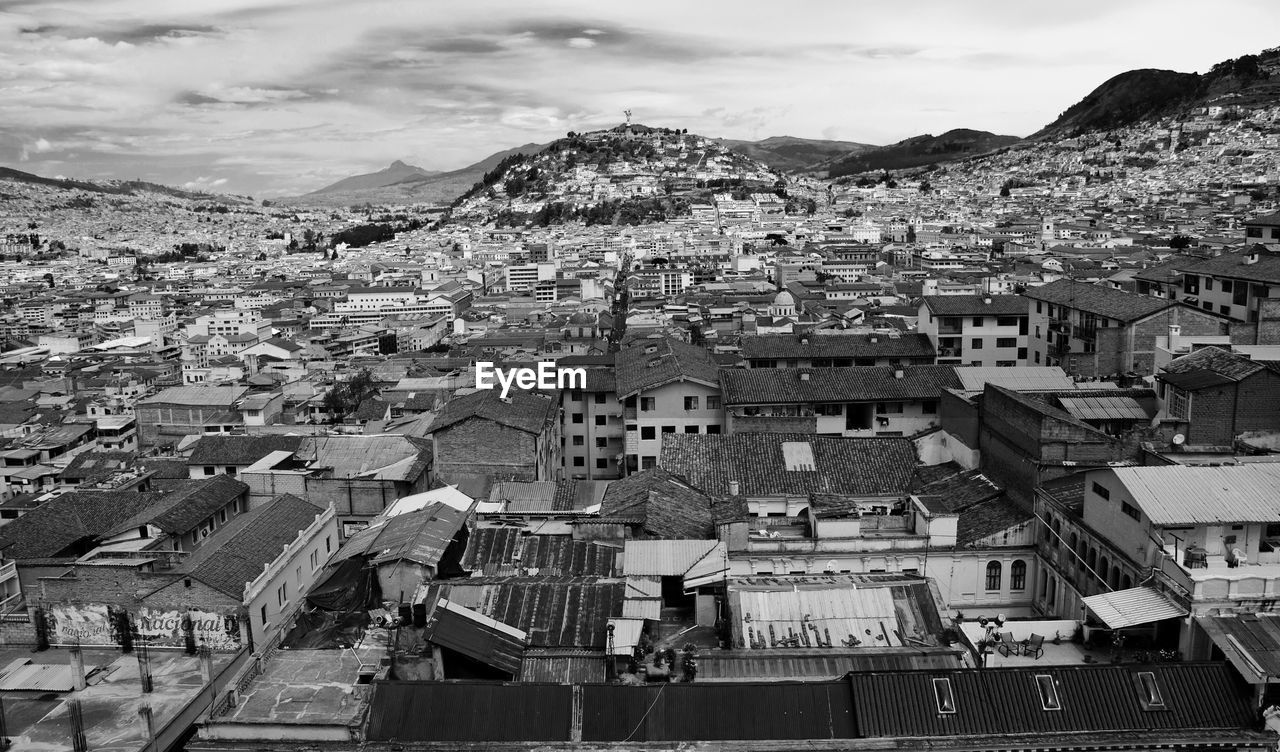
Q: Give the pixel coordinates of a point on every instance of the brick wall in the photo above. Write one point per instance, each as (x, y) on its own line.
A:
(773, 424)
(1213, 414)
(482, 446)
(960, 418)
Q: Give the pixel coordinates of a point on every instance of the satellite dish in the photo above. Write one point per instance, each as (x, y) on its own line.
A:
(1179, 439)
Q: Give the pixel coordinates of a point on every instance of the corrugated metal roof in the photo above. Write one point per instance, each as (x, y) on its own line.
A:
(1126, 608)
(469, 712)
(642, 608)
(783, 664)
(626, 634)
(817, 615)
(533, 496)
(1105, 408)
(1251, 642)
(40, 677)
(713, 567)
(664, 558)
(1004, 701)
(563, 669)
(644, 587)
(476, 636)
(1180, 494)
(712, 712)
(1021, 378)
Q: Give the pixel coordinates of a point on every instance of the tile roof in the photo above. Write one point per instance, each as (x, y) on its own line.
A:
(836, 346)
(182, 509)
(650, 363)
(1265, 270)
(663, 504)
(99, 465)
(235, 555)
(1230, 366)
(58, 524)
(758, 461)
(977, 305)
(773, 386)
(531, 412)
(239, 450)
(1099, 300)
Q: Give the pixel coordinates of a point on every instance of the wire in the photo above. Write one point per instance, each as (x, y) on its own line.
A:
(646, 714)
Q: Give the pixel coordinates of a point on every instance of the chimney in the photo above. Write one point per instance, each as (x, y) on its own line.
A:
(1252, 258)
(1175, 331)
(804, 375)
(733, 488)
(986, 300)
(899, 373)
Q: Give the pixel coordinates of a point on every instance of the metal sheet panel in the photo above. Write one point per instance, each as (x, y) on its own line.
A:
(469, 712)
(1181, 495)
(867, 614)
(1126, 608)
(1105, 408)
(38, 677)
(717, 712)
(663, 558)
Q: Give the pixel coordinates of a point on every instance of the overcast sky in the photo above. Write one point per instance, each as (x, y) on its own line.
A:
(283, 96)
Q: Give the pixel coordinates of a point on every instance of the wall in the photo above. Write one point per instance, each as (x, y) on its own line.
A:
(668, 410)
(296, 568)
(1105, 517)
(482, 446)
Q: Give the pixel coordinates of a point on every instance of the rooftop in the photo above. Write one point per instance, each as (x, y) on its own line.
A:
(1099, 300)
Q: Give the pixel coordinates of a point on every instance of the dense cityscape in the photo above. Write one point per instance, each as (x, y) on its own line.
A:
(605, 443)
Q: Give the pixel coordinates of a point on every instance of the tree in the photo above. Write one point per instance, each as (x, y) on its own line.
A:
(1180, 242)
(1004, 191)
(925, 186)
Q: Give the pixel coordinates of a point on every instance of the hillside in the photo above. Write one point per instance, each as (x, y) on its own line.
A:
(631, 174)
(790, 154)
(1135, 96)
(423, 187)
(397, 172)
(920, 151)
(113, 187)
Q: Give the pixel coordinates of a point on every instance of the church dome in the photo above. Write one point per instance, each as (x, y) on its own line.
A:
(784, 299)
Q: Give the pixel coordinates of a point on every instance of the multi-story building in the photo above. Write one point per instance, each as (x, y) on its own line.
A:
(167, 417)
(1264, 230)
(666, 386)
(1092, 330)
(592, 424)
(976, 330)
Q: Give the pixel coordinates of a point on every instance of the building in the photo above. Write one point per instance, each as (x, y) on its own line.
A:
(858, 401)
(666, 387)
(1264, 230)
(164, 419)
(1215, 396)
(591, 418)
(836, 349)
(1094, 330)
(483, 434)
(977, 330)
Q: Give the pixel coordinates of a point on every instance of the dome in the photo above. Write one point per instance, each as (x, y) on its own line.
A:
(784, 298)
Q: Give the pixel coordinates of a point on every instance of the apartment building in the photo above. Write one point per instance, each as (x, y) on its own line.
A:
(666, 387)
(976, 330)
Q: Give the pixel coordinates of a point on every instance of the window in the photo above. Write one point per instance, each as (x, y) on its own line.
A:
(579, 440)
(576, 395)
(1007, 321)
(690, 429)
(945, 698)
(1018, 575)
(282, 594)
(579, 462)
(315, 557)
(690, 403)
(1130, 510)
(1007, 342)
(600, 398)
(1022, 353)
(994, 575)
(602, 442)
(328, 546)
(1101, 490)
(264, 615)
(648, 433)
(1038, 308)
(647, 404)
(929, 407)
(713, 403)
(1208, 283)
(601, 420)
(887, 408)
(222, 515)
(1179, 403)
(978, 320)
(648, 462)
(1048, 690)
(976, 343)
(577, 417)
(668, 429)
(1149, 693)
(210, 470)
(602, 463)
(713, 429)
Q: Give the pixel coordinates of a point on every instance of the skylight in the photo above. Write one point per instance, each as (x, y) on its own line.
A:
(945, 698)
(1048, 692)
(798, 456)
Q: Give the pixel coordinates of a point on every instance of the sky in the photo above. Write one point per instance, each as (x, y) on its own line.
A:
(280, 97)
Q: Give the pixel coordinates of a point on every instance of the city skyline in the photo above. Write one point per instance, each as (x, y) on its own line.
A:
(282, 98)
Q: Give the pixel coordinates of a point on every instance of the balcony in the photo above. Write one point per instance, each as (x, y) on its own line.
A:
(628, 413)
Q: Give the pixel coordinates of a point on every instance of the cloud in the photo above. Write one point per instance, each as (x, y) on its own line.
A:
(203, 183)
(582, 43)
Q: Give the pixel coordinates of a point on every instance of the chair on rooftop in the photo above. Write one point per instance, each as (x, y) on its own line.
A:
(1034, 645)
(1006, 645)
